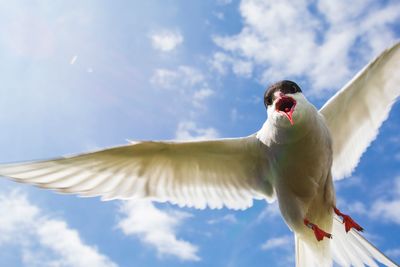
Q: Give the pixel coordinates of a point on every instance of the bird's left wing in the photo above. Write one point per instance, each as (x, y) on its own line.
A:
(355, 113)
(215, 173)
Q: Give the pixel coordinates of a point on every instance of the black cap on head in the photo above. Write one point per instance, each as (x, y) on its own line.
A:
(285, 86)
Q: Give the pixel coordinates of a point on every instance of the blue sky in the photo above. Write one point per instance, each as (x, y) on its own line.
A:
(80, 76)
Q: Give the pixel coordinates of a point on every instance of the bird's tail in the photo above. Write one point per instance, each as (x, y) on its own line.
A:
(346, 249)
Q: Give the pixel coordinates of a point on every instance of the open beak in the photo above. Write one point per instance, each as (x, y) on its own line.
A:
(286, 105)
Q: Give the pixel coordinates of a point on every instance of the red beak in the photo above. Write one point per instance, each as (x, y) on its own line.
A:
(286, 105)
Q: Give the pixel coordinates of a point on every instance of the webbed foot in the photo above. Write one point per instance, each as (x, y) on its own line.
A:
(318, 232)
(348, 221)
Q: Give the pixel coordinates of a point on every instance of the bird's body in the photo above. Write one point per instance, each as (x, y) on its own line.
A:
(301, 192)
(293, 158)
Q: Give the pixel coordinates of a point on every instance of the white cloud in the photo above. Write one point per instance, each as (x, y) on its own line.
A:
(164, 78)
(270, 211)
(284, 39)
(354, 181)
(285, 245)
(356, 207)
(43, 241)
(384, 208)
(200, 95)
(166, 40)
(188, 130)
(242, 68)
(340, 11)
(66, 243)
(190, 76)
(183, 78)
(16, 215)
(157, 228)
(203, 93)
(221, 62)
(352, 207)
(189, 82)
(285, 242)
(387, 208)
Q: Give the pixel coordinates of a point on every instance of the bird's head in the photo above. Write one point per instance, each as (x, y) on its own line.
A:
(285, 102)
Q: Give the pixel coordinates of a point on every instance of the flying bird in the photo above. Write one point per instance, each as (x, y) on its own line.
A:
(294, 159)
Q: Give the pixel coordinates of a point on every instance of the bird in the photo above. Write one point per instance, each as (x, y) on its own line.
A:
(293, 159)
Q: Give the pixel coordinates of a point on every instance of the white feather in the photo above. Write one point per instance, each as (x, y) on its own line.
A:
(216, 173)
(353, 249)
(347, 249)
(355, 113)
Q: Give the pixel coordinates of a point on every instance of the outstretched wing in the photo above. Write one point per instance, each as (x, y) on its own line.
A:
(214, 173)
(355, 113)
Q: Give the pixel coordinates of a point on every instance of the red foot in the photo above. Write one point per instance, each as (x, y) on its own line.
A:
(348, 221)
(318, 232)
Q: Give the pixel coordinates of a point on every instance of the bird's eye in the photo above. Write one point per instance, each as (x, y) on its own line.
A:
(295, 89)
(268, 100)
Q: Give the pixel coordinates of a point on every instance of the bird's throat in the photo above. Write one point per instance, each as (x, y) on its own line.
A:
(285, 105)
(288, 115)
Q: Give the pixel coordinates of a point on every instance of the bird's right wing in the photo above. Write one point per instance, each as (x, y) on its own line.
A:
(214, 173)
(355, 113)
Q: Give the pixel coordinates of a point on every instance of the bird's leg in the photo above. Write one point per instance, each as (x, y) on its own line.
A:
(318, 232)
(348, 221)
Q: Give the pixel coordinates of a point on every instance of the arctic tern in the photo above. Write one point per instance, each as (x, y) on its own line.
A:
(293, 158)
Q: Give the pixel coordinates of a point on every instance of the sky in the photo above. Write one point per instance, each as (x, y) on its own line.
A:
(82, 75)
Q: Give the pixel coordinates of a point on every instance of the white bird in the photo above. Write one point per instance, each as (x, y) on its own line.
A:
(293, 158)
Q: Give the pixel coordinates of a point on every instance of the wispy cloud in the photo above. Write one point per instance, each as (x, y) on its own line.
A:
(354, 181)
(166, 40)
(270, 211)
(188, 130)
(222, 62)
(164, 78)
(180, 78)
(189, 82)
(157, 228)
(43, 241)
(356, 207)
(203, 93)
(228, 218)
(395, 252)
(320, 48)
(387, 207)
(219, 15)
(200, 95)
(224, 2)
(281, 242)
(65, 242)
